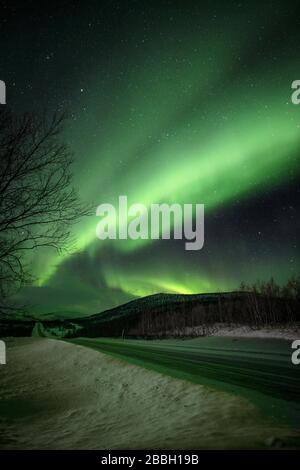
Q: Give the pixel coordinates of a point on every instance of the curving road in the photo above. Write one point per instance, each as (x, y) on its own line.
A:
(262, 365)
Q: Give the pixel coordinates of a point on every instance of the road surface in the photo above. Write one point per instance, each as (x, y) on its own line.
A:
(262, 365)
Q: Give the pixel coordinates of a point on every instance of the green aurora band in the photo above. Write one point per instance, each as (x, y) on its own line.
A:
(190, 125)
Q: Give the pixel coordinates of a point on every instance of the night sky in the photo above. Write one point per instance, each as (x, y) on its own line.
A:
(169, 101)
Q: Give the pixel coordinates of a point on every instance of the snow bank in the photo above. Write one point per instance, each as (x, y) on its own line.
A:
(279, 332)
(55, 395)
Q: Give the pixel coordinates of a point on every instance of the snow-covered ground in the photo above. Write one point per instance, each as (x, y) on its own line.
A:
(288, 332)
(55, 395)
(285, 332)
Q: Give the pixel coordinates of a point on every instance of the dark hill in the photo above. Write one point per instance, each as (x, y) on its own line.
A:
(163, 315)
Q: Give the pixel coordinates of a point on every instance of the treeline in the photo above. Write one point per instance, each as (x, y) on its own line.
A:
(269, 303)
(10, 327)
(257, 305)
(171, 315)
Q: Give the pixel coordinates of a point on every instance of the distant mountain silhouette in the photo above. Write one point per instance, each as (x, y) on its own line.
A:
(165, 315)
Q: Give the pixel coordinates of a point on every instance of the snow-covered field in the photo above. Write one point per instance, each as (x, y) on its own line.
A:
(288, 332)
(55, 395)
(285, 332)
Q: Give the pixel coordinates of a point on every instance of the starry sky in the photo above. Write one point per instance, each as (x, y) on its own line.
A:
(169, 101)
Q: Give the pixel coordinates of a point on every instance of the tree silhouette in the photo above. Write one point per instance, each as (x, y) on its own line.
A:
(38, 203)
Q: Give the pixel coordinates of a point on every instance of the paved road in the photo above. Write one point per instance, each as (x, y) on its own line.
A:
(261, 365)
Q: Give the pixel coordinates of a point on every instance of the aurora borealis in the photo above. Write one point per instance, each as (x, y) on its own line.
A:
(175, 102)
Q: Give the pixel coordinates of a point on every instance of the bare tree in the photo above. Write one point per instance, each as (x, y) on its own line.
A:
(38, 203)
